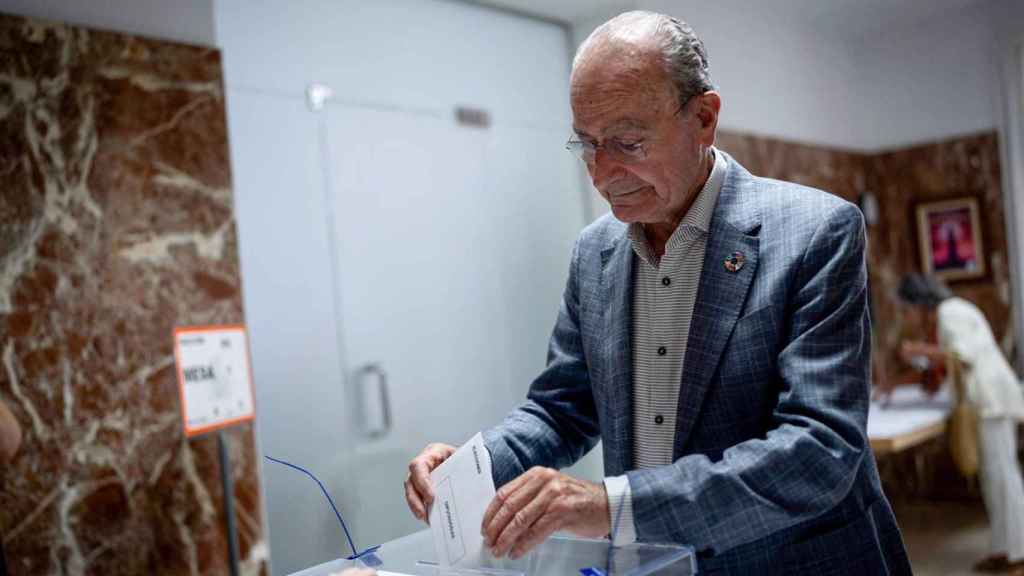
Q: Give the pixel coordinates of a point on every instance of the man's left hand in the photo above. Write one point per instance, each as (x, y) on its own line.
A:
(530, 508)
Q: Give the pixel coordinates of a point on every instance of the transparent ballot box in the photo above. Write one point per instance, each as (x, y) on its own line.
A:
(559, 555)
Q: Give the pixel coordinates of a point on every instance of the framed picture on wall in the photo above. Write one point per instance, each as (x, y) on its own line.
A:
(949, 237)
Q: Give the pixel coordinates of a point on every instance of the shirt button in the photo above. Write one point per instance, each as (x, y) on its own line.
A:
(662, 351)
(659, 419)
(666, 281)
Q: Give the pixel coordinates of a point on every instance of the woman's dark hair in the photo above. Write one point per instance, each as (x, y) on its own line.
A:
(923, 290)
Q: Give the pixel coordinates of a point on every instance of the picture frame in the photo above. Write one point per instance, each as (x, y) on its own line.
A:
(950, 241)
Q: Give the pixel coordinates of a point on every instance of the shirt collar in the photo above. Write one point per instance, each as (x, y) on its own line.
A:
(697, 217)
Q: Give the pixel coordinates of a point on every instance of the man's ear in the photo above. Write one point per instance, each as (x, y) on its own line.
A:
(707, 115)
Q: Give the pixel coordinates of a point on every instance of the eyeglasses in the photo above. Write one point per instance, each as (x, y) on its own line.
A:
(623, 151)
(618, 150)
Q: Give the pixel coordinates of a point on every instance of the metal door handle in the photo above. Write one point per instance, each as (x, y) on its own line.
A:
(374, 427)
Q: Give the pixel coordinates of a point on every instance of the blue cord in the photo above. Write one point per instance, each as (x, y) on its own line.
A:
(329, 499)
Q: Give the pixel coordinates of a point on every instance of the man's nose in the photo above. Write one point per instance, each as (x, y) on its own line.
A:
(604, 169)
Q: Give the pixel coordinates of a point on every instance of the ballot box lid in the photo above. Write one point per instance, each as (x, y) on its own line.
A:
(561, 555)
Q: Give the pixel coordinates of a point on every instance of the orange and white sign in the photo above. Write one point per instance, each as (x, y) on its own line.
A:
(214, 377)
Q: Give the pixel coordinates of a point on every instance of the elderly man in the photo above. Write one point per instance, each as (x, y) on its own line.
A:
(714, 334)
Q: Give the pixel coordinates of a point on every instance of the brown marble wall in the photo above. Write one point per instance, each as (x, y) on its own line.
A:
(116, 225)
(900, 179)
(839, 172)
(967, 166)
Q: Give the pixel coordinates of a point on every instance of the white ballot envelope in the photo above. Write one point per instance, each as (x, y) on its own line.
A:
(463, 488)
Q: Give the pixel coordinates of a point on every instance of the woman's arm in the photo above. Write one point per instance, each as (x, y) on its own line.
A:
(935, 354)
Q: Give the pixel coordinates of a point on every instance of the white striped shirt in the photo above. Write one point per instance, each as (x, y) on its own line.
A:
(664, 294)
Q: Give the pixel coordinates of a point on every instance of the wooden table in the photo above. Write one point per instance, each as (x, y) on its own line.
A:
(909, 418)
(903, 431)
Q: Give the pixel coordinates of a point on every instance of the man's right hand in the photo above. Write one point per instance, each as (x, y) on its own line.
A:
(418, 493)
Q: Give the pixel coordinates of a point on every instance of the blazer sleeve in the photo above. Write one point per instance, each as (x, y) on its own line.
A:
(808, 460)
(557, 425)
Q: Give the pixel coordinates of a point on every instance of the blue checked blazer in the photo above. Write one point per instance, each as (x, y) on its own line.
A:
(772, 471)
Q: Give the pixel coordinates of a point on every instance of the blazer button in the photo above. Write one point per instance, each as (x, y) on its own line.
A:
(659, 419)
(662, 351)
(666, 281)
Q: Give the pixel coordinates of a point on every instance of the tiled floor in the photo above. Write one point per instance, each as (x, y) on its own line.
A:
(944, 538)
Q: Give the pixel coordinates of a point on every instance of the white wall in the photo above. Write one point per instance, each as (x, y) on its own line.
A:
(1008, 20)
(391, 62)
(1009, 42)
(775, 77)
(189, 21)
(932, 81)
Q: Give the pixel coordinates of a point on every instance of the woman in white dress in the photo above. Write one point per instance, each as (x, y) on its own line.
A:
(958, 326)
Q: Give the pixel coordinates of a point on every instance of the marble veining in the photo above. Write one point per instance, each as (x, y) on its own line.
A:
(117, 226)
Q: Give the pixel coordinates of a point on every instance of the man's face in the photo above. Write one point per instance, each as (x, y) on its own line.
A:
(626, 98)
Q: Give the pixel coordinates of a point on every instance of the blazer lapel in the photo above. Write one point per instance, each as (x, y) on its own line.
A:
(617, 298)
(721, 294)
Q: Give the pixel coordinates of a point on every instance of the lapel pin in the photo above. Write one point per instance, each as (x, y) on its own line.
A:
(735, 262)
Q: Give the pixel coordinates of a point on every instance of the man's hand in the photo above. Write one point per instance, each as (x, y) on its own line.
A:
(418, 493)
(530, 508)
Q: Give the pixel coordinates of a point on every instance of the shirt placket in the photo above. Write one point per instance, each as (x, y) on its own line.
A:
(670, 295)
(659, 344)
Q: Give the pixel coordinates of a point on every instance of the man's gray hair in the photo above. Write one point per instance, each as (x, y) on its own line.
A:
(686, 59)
